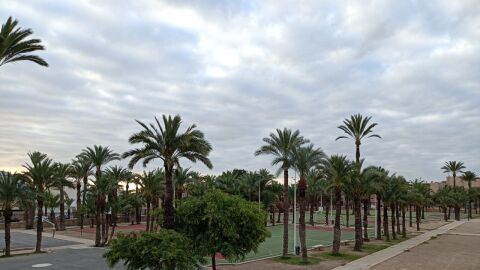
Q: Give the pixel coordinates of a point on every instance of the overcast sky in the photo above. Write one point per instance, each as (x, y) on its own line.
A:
(240, 69)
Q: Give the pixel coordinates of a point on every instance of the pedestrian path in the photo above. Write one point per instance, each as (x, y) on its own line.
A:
(390, 252)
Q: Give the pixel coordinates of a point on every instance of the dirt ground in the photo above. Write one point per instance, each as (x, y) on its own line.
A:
(446, 252)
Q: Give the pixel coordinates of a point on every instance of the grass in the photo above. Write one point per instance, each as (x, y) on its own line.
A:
(297, 260)
(340, 256)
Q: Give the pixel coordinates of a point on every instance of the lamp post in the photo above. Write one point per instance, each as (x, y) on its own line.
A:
(295, 213)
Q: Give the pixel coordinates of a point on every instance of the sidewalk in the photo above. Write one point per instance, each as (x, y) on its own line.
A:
(383, 255)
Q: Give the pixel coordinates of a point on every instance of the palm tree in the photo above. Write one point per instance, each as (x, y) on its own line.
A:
(60, 181)
(357, 188)
(337, 170)
(182, 176)
(14, 45)
(167, 143)
(469, 176)
(281, 145)
(117, 175)
(99, 156)
(12, 190)
(358, 128)
(304, 159)
(81, 170)
(152, 187)
(39, 173)
(264, 178)
(52, 201)
(453, 167)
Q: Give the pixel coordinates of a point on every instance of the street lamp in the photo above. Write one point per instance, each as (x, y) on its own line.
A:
(295, 213)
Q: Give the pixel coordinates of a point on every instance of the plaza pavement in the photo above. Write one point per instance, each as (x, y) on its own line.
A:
(452, 246)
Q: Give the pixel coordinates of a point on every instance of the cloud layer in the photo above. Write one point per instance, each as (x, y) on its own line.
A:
(240, 69)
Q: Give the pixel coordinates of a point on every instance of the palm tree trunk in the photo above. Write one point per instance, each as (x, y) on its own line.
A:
(397, 212)
(392, 213)
(347, 212)
(417, 213)
(410, 215)
(7, 213)
(214, 265)
(148, 216)
(312, 222)
(366, 203)
(404, 229)
(98, 236)
(385, 221)
(31, 218)
(273, 215)
(169, 219)
(62, 210)
(84, 201)
(286, 209)
(379, 217)
(302, 227)
(79, 200)
(38, 246)
(358, 224)
(327, 212)
(337, 233)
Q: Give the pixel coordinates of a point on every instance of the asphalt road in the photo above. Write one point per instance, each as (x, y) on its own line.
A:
(23, 240)
(70, 259)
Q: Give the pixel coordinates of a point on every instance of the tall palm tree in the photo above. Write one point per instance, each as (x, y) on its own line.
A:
(304, 159)
(281, 145)
(14, 45)
(358, 128)
(81, 170)
(99, 156)
(164, 141)
(152, 187)
(356, 186)
(39, 173)
(12, 190)
(182, 176)
(60, 180)
(337, 170)
(469, 176)
(453, 167)
(117, 175)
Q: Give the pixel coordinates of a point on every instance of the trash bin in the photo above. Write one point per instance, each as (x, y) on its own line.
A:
(297, 250)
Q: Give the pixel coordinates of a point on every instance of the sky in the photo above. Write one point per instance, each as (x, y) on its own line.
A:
(241, 69)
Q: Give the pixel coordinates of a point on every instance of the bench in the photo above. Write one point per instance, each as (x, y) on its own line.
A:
(318, 247)
(345, 242)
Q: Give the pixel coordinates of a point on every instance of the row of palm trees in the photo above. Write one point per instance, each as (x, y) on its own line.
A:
(106, 195)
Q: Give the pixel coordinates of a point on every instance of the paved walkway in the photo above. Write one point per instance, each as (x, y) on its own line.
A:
(388, 253)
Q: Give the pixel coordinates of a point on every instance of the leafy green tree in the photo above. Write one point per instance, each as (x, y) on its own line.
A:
(12, 191)
(305, 158)
(99, 156)
(14, 45)
(281, 146)
(166, 249)
(469, 176)
(337, 170)
(453, 167)
(220, 223)
(165, 142)
(38, 174)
